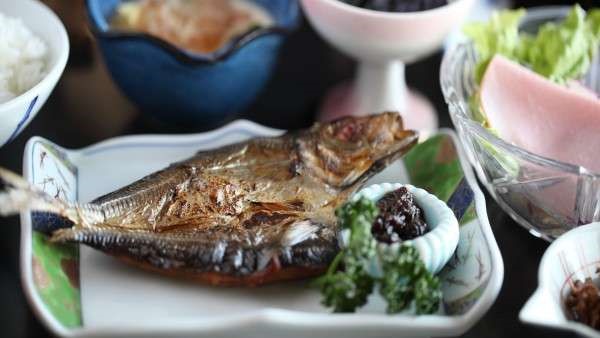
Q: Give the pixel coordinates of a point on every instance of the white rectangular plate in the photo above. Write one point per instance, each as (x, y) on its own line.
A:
(112, 299)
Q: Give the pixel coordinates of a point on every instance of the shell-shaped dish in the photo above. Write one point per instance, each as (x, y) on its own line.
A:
(436, 246)
(573, 256)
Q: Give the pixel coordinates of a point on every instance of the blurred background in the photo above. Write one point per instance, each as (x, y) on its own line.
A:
(292, 92)
(86, 107)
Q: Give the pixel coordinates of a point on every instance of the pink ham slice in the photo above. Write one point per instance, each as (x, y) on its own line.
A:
(540, 116)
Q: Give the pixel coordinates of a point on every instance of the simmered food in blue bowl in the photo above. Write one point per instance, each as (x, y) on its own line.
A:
(196, 61)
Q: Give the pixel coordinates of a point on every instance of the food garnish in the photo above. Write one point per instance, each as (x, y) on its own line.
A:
(401, 278)
(583, 302)
(255, 212)
(348, 289)
(560, 51)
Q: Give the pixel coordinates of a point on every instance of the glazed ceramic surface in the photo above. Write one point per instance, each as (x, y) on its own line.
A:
(77, 291)
(16, 114)
(437, 246)
(545, 196)
(573, 256)
(180, 86)
(383, 42)
(379, 36)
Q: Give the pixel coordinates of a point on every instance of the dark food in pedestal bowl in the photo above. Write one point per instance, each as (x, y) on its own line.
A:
(398, 5)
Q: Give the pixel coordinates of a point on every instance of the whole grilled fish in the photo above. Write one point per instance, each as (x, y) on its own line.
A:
(250, 213)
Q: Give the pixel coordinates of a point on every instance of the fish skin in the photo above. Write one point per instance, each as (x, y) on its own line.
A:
(250, 213)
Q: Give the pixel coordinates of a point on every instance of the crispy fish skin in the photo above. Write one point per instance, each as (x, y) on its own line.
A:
(250, 213)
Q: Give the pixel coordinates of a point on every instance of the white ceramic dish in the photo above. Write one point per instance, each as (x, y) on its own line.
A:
(16, 114)
(436, 246)
(81, 292)
(573, 256)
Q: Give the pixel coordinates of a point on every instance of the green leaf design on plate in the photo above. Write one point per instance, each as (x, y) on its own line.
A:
(463, 304)
(56, 276)
(55, 267)
(434, 166)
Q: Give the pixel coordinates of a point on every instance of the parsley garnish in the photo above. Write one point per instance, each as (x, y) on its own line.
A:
(350, 278)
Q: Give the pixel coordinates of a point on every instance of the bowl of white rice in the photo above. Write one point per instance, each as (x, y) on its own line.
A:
(34, 48)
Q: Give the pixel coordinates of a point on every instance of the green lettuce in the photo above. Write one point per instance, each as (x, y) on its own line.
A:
(563, 51)
(560, 51)
(498, 36)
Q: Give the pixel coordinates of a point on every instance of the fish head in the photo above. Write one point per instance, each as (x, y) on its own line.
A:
(348, 151)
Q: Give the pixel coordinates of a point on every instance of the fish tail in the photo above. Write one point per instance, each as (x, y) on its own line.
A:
(16, 195)
(63, 235)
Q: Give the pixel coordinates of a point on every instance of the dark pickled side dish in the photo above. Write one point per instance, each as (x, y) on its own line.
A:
(399, 219)
(583, 303)
(398, 5)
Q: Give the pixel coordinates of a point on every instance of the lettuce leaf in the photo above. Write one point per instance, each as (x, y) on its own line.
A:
(593, 21)
(498, 36)
(560, 51)
(563, 51)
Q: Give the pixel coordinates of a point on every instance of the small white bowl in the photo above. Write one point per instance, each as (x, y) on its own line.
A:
(16, 114)
(436, 246)
(573, 256)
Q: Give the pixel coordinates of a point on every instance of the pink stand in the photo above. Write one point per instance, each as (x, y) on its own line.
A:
(381, 88)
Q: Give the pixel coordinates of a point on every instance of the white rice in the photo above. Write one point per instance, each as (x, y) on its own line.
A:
(22, 58)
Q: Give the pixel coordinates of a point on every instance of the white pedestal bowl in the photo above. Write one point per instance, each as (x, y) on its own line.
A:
(383, 42)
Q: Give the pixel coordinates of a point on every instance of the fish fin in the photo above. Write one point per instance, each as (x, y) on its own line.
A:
(98, 233)
(299, 232)
(166, 251)
(64, 235)
(301, 245)
(308, 243)
(16, 195)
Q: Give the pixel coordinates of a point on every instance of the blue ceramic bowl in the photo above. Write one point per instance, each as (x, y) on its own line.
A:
(182, 87)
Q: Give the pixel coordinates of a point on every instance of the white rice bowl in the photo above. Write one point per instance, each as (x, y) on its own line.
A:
(23, 58)
(34, 48)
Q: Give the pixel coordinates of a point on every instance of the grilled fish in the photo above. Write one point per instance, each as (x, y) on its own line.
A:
(250, 213)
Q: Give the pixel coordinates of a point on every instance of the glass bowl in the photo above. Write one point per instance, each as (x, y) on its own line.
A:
(545, 196)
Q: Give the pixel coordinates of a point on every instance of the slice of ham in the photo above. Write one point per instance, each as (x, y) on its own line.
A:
(541, 116)
(581, 89)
